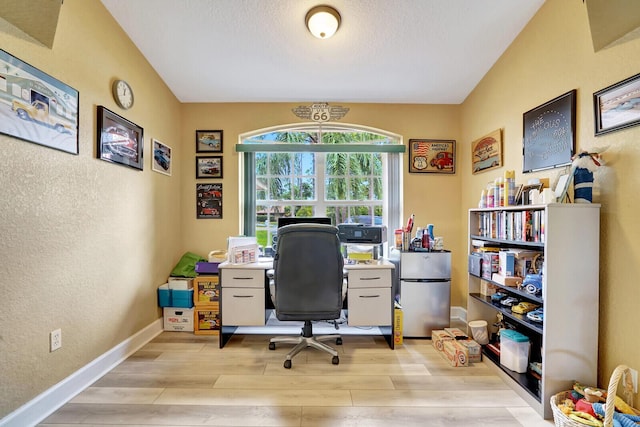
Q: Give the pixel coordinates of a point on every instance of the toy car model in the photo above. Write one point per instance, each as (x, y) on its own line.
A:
(532, 284)
(536, 315)
(524, 307)
(509, 301)
(497, 297)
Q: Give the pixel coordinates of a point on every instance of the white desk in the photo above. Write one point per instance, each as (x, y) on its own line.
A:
(245, 299)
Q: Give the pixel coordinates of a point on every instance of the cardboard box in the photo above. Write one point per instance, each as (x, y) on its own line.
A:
(474, 350)
(206, 320)
(438, 337)
(178, 319)
(456, 333)
(506, 263)
(487, 289)
(397, 326)
(511, 281)
(182, 283)
(455, 353)
(206, 290)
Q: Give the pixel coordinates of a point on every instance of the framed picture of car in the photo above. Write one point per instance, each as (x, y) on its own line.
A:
(208, 167)
(432, 156)
(37, 107)
(208, 141)
(209, 201)
(119, 140)
(161, 161)
(617, 106)
(486, 152)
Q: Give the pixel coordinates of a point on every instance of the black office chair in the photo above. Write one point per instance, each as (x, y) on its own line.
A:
(308, 279)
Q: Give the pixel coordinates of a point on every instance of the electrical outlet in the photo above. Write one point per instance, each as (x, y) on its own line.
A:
(55, 340)
(634, 379)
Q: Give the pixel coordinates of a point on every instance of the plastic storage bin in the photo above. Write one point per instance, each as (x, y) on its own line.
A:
(514, 350)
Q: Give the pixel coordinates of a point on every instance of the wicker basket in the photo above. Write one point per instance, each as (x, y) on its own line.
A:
(561, 420)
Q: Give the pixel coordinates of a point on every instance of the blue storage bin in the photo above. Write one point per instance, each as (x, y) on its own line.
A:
(182, 298)
(164, 295)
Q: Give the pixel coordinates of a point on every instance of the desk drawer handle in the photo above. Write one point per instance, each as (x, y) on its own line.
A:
(243, 296)
(370, 296)
(242, 278)
(370, 278)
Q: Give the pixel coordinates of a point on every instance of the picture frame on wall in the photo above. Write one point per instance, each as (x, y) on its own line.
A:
(40, 108)
(209, 141)
(161, 161)
(208, 167)
(549, 134)
(486, 152)
(119, 140)
(209, 201)
(432, 156)
(617, 106)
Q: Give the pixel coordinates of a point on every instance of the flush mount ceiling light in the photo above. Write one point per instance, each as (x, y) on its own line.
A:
(323, 21)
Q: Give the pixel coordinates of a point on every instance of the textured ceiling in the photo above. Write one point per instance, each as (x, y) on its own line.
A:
(385, 51)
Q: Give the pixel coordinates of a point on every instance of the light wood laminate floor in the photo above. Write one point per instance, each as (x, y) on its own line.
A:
(181, 379)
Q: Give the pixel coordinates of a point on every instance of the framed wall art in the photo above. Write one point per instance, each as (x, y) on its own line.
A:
(208, 141)
(208, 167)
(549, 134)
(486, 152)
(617, 106)
(161, 161)
(209, 201)
(119, 140)
(432, 156)
(40, 109)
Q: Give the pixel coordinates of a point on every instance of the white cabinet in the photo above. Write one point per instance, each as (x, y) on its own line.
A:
(243, 296)
(369, 296)
(566, 342)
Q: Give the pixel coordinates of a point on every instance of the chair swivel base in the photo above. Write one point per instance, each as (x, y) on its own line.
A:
(307, 340)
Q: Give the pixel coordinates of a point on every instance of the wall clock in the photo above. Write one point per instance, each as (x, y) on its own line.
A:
(122, 94)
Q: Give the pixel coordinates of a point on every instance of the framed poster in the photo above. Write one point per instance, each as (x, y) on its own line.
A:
(209, 201)
(432, 156)
(208, 141)
(119, 140)
(549, 134)
(617, 106)
(486, 152)
(161, 161)
(39, 108)
(208, 167)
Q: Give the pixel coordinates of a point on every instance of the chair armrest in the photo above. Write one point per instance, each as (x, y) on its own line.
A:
(271, 273)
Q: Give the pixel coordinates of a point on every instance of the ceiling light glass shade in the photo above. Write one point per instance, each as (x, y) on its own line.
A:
(323, 21)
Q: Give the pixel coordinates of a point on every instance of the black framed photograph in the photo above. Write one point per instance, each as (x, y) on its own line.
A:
(617, 106)
(209, 201)
(161, 161)
(40, 108)
(208, 141)
(119, 140)
(549, 134)
(208, 167)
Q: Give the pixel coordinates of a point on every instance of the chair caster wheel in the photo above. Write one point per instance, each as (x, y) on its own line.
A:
(287, 364)
(272, 346)
(335, 360)
(338, 341)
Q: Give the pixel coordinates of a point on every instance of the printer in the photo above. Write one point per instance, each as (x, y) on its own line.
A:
(361, 242)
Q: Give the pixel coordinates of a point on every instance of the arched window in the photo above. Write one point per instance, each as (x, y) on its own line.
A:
(345, 172)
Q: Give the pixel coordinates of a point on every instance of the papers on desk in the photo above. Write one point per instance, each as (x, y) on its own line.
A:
(242, 250)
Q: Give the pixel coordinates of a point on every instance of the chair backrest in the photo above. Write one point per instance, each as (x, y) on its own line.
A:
(308, 273)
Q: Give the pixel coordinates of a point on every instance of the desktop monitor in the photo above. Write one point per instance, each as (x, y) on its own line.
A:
(282, 221)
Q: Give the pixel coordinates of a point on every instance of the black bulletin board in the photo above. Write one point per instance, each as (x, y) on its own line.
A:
(549, 134)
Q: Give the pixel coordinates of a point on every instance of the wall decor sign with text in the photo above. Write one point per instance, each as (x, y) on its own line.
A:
(486, 152)
(209, 201)
(40, 108)
(432, 156)
(549, 134)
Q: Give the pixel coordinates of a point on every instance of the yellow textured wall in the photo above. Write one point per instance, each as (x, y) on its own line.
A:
(85, 243)
(553, 55)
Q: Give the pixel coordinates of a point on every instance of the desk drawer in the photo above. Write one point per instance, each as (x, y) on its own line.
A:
(369, 306)
(242, 278)
(243, 306)
(370, 278)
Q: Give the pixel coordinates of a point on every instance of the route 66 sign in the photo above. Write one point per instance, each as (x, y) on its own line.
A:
(320, 112)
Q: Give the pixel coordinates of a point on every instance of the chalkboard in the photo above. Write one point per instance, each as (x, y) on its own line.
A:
(549, 134)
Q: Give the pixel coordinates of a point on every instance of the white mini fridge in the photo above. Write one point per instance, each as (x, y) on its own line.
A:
(425, 292)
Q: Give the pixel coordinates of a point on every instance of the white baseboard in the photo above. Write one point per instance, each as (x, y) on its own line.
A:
(49, 401)
(459, 313)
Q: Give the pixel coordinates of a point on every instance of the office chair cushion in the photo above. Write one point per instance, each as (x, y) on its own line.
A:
(308, 273)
